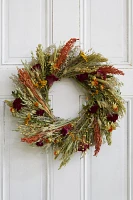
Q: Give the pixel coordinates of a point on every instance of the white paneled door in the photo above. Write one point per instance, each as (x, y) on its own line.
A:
(27, 173)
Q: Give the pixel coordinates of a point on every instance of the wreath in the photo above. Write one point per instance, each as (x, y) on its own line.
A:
(100, 112)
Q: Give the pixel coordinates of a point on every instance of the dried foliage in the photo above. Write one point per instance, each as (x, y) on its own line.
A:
(99, 115)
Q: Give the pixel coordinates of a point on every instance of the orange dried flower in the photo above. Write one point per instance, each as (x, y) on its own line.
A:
(111, 128)
(29, 141)
(12, 109)
(72, 136)
(64, 52)
(56, 152)
(43, 83)
(96, 91)
(110, 70)
(94, 82)
(23, 140)
(82, 54)
(25, 79)
(36, 85)
(36, 104)
(97, 137)
(115, 107)
(32, 139)
(27, 119)
(101, 87)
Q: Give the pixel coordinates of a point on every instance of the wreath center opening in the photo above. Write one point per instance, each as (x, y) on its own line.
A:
(66, 98)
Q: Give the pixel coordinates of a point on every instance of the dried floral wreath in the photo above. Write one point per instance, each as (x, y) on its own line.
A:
(98, 117)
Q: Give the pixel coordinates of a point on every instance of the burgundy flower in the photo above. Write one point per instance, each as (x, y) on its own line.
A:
(64, 131)
(37, 66)
(102, 74)
(39, 144)
(112, 117)
(51, 79)
(40, 112)
(68, 126)
(83, 146)
(17, 104)
(94, 108)
(82, 77)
